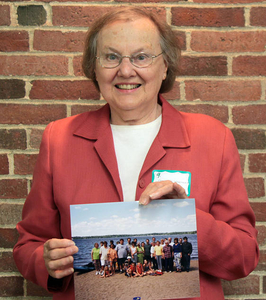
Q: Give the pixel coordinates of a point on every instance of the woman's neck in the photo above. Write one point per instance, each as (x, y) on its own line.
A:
(134, 118)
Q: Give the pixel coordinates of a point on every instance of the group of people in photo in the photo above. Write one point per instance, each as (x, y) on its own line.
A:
(137, 259)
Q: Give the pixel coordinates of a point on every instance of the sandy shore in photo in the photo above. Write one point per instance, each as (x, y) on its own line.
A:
(173, 285)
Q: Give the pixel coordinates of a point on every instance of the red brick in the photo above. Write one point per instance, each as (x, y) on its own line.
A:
(12, 138)
(12, 88)
(227, 1)
(257, 16)
(33, 65)
(14, 41)
(24, 163)
(262, 261)
(31, 114)
(77, 15)
(150, 1)
(218, 112)
(5, 15)
(247, 286)
(249, 66)
(35, 138)
(8, 237)
(232, 41)
(13, 188)
(71, 1)
(257, 162)
(86, 15)
(63, 90)
(77, 66)
(7, 263)
(174, 94)
(261, 238)
(79, 109)
(233, 90)
(4, 166)
(255, 187)
(45, 40)
(36, 291)
(252, 114)
(259, 209)
(207, 17)
(203, 66)
(11, 286)
(249, 138)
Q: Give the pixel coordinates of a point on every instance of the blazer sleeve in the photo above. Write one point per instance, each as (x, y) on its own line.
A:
(40, 222)
(227, 242)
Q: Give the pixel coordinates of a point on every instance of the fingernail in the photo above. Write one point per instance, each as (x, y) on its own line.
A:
(71, 243)
(144, 203)
(71, 270)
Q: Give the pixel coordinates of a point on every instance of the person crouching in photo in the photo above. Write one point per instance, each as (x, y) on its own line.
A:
(106, 272)
(132, 270)
(139, 270)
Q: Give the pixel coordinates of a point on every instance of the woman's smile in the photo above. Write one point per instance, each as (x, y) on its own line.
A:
(127, 86)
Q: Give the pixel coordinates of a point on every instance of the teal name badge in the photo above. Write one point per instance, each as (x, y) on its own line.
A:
(180, 177)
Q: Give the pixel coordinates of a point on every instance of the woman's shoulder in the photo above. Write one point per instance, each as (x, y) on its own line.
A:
(200, 121)
(191, 126)
(203, 128)
(191, 116)
(77, 119)
(88, 119)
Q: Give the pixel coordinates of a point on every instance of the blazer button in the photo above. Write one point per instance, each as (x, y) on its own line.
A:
(142, 183)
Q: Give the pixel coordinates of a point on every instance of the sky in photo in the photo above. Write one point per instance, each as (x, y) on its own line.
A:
(160, 216)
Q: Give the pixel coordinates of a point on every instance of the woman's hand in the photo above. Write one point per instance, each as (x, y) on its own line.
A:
(162, 190)
(58, 257)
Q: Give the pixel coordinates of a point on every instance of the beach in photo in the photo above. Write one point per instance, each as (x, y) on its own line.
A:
(170, 223)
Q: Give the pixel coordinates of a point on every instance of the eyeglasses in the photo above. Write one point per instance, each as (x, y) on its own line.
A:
(113, 60)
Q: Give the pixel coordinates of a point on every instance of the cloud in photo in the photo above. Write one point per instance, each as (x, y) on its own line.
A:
(181, 204)
(131, 218)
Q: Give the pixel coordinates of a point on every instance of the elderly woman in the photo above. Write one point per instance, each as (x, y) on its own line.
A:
(109, 155)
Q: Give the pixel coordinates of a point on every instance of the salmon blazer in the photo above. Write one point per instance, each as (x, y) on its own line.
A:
(77, 165)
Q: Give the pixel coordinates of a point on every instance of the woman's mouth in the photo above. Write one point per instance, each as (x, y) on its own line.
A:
(127, 86)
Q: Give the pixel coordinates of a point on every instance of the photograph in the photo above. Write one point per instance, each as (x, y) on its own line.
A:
(130, 251)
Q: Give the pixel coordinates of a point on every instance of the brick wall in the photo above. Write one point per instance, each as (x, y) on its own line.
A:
(223, 71)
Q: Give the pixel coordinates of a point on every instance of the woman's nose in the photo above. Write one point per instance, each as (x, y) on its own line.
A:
(126, 69)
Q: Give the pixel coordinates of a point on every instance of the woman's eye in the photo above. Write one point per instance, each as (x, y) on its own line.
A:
(112, 57)
(141, 57)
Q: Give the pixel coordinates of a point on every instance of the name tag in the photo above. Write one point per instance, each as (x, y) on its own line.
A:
(180, 177)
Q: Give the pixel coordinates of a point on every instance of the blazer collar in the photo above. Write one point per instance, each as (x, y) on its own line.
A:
(173, 132)
(96, 123)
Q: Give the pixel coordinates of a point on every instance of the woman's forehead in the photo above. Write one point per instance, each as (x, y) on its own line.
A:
(135, 33)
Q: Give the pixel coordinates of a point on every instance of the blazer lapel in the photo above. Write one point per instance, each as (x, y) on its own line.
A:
(172, 134)
(97, 127)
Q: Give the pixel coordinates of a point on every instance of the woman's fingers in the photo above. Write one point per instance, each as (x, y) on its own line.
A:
(180, 191)
(162, 189)
(58, 257)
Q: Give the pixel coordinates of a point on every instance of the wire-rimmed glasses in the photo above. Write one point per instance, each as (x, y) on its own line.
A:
(113, 60)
